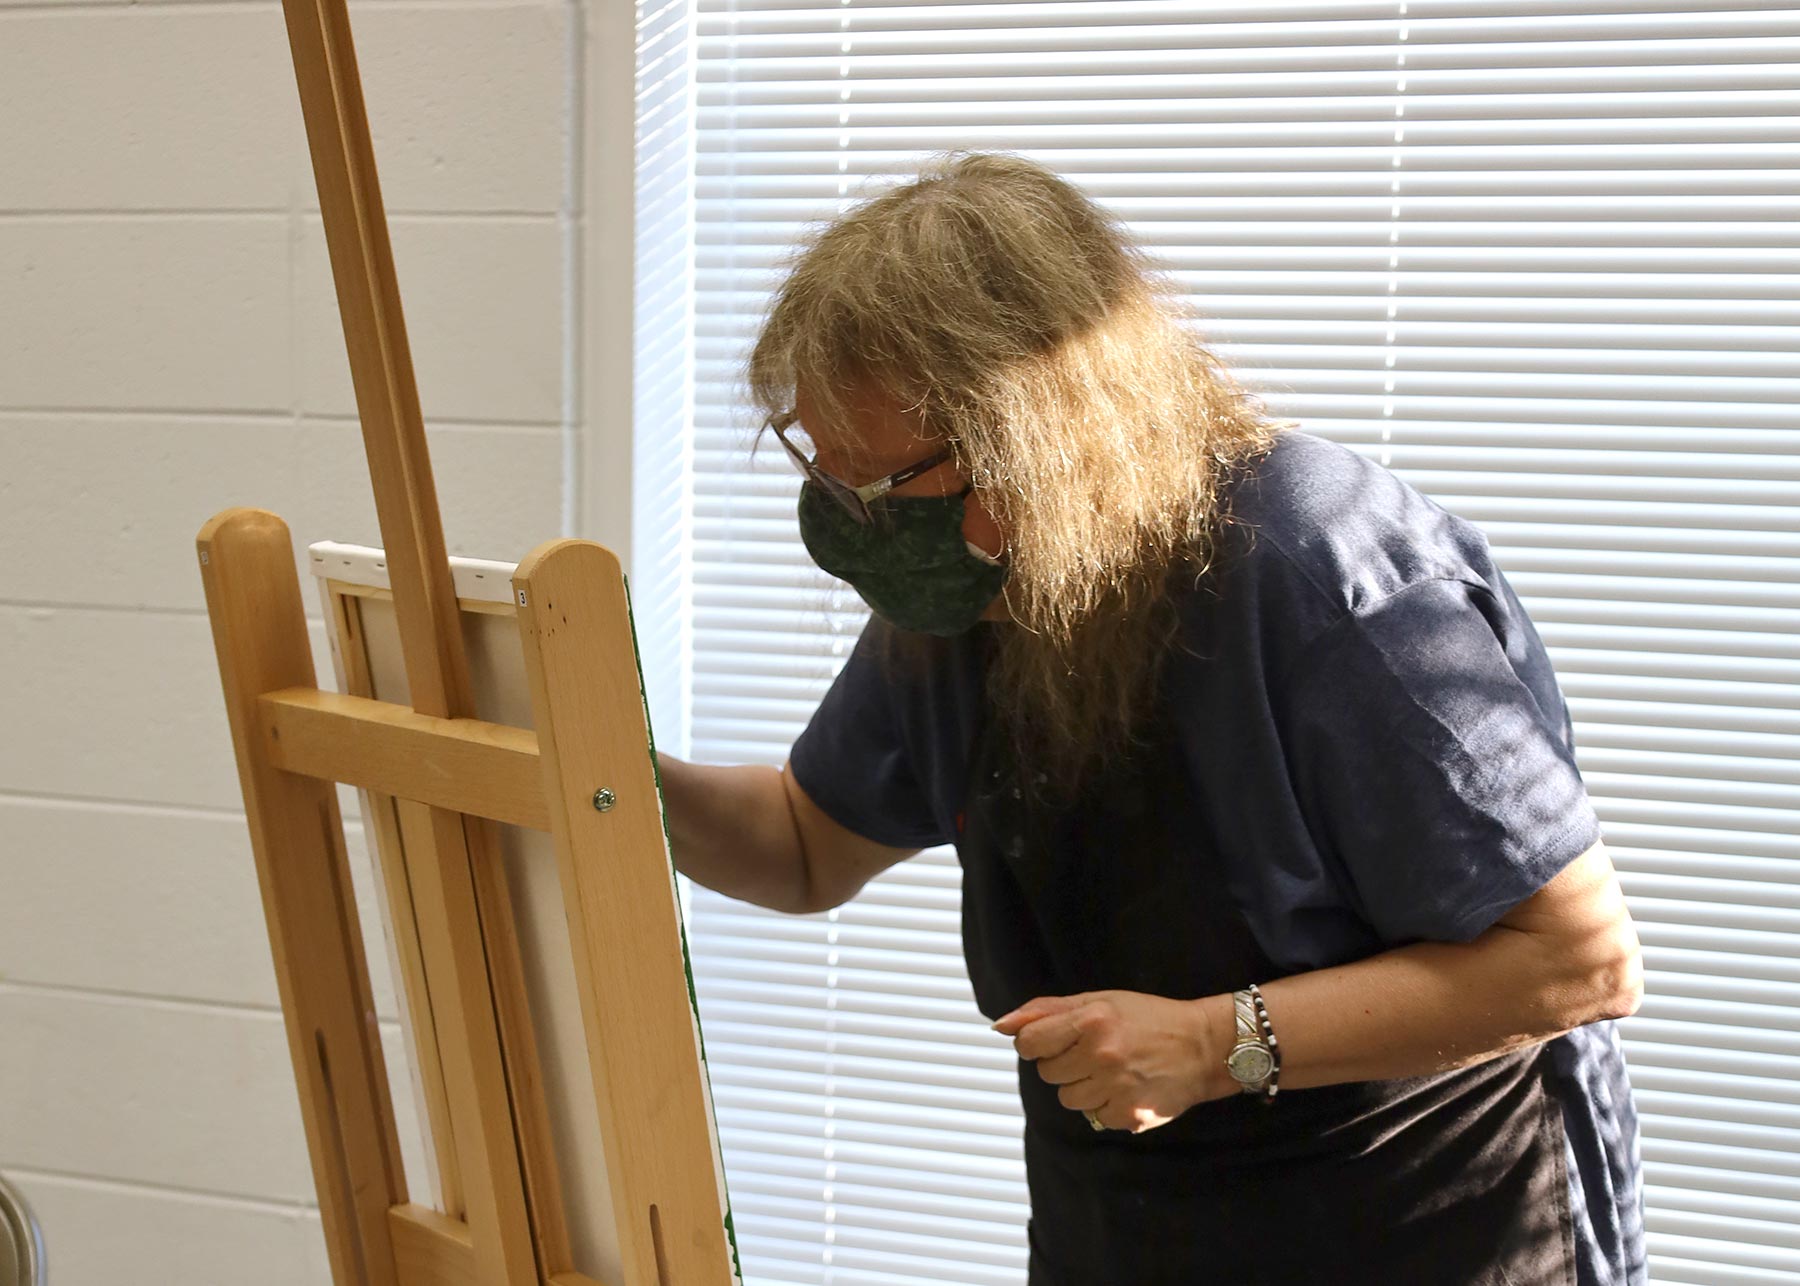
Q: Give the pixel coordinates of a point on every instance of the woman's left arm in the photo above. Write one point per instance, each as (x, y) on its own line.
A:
(1566, 956)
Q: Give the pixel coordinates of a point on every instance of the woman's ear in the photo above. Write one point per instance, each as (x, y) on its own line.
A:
(979, 529)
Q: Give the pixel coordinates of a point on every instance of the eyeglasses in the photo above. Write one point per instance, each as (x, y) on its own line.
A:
(854, 499)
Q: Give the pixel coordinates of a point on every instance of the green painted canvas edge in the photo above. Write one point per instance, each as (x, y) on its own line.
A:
(687, 965)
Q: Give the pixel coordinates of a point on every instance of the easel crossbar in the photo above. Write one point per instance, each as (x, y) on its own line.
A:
(490, 770)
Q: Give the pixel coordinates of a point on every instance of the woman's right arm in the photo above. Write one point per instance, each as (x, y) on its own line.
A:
(748, 831)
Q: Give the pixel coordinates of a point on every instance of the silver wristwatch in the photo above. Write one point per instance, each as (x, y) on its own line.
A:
(1250, 1061)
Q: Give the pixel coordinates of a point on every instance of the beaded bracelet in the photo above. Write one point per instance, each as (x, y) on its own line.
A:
(1262, 1016)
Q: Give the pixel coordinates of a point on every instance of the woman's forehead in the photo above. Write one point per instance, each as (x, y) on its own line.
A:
(871, 425)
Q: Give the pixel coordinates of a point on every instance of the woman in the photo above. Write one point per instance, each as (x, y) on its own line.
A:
(1278, 869)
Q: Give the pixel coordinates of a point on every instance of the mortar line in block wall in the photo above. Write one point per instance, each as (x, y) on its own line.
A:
(139, 411)
(188, 415)
(130, 609)
(299, 186)
(570, 223)
(212, 6)
(153, 1000)
(141, 213)
(70, 799)
(74, 1178)
(103, 803)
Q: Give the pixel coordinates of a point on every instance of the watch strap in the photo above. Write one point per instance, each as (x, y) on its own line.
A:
(1250, 1033)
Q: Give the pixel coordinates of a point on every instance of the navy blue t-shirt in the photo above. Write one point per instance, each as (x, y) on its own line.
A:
(1374, 731)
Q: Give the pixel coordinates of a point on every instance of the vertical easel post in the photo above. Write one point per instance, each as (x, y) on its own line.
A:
(296, 833)
(511, 1193)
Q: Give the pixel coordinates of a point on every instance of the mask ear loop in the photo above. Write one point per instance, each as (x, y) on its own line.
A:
(996, 560)
(993, 560)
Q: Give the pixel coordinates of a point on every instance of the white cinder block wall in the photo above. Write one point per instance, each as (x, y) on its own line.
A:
(169, 346)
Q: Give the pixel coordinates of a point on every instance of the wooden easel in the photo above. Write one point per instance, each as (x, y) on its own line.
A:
(586, 775)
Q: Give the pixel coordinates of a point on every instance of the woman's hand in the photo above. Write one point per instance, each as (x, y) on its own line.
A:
(1136, 1061)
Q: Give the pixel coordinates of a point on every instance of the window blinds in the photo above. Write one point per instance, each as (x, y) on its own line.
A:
(1538, 258)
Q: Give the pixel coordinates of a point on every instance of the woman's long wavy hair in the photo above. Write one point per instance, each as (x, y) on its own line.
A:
(1017, 317)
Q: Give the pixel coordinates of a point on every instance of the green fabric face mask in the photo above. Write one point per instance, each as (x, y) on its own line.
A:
(911, 566)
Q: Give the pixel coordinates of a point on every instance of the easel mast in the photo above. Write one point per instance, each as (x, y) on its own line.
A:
(448, 774)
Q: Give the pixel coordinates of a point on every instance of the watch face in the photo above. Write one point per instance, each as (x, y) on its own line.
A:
(1250, 1063)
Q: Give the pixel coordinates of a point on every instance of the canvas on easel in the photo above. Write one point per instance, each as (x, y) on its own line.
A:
(365, 646)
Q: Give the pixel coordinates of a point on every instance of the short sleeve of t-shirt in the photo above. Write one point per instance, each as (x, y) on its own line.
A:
(1429, 767)
(852, 759)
